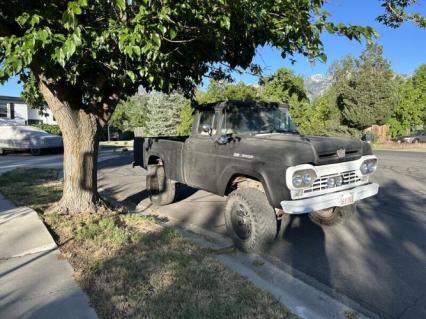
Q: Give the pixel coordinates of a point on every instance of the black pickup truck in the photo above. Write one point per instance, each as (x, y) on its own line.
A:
(252, 153)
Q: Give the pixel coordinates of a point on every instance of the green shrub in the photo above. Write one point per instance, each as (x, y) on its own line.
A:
(49, 128)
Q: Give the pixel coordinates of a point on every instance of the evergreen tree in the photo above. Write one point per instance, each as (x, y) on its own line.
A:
(366, 90)
(186, 119)
(163, 113)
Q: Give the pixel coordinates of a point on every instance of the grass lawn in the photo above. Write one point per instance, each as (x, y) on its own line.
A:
(132, 267)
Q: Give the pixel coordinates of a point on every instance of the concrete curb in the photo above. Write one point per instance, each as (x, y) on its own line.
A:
(24, 233)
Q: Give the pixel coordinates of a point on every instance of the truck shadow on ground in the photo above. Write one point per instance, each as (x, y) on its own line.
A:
(373, 259)
(182, 193)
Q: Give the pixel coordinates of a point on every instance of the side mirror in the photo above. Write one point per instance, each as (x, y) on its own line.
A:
(206, 129)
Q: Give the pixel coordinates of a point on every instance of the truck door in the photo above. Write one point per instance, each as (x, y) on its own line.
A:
(199, 152)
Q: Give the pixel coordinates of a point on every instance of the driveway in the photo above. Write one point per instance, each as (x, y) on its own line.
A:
(377, 260)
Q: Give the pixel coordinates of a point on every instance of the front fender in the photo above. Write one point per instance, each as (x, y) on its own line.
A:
(273, 181)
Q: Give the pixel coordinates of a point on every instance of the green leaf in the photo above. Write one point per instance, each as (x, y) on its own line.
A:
(22, 20)
(131, 75)
(69, 48)
(121, 4)
(172, 33)
(156, 38)
(323, 57)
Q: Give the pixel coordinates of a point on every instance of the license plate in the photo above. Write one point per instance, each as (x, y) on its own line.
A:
(347, 199)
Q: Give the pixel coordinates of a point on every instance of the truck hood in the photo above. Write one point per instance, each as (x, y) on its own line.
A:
(324, 148)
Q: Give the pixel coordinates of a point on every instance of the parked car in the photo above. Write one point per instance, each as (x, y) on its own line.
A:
(28, 138)
(416, 137)
(252, 153)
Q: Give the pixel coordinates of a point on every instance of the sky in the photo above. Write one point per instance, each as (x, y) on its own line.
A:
(404, 47)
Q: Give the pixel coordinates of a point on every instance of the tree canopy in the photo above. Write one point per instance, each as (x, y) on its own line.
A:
(223, 90)
(130, 113)
(103, 50)
(398, 12)
(410, 111)
(286, 87)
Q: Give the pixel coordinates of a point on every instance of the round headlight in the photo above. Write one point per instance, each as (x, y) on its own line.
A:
(297, 181)
(307, 179)
(339, 180)
(368, 166)
(331, 182)
(303, 178)
(364, 168)
(371, 166)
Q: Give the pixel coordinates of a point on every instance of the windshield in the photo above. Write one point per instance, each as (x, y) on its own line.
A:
(258, 119)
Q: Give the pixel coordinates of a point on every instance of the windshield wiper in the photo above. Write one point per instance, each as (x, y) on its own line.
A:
(274, 131)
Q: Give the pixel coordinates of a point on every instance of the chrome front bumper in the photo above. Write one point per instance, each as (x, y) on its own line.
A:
(343, 198)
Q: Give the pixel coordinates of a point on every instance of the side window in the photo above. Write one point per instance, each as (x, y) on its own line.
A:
(206, 118)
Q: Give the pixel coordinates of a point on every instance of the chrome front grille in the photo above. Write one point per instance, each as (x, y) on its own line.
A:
(320, 184)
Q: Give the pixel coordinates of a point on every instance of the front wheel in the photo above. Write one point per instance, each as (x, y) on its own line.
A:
(333, 216)
(250, 219)
(161, 189)
(2, 152)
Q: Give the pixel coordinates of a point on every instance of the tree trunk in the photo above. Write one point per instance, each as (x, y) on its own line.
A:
(81, 146)
(81, 133)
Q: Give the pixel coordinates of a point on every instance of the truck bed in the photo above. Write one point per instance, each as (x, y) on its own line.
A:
(168, 148)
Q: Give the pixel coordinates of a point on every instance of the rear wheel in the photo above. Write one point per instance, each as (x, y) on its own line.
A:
(161, 189)
(250, 219)
(2, 152)
(333, 216)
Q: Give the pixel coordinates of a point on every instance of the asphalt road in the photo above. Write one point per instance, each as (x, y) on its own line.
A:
(16, 160)
(378, 259)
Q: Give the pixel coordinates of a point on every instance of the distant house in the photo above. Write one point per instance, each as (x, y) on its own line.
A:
(14, 109)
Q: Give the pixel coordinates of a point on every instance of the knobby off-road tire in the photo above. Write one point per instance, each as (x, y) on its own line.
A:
(250, 219)
(161, 189)
(334, 216)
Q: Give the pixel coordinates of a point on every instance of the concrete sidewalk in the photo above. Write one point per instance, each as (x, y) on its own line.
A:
(34, 282)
